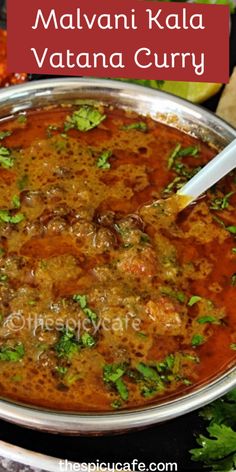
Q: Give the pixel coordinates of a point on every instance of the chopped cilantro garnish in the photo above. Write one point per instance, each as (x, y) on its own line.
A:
(87, 340)
(5, 134)
(233, 280)
(6, 160)
(112, 374)
(71, 379)
(221, 203)
(148, 372)
(84, 119)
(233, 346)
(194, 299)
(231, 229)
(167, 364)
(197, 340)
(116, 404)
(5, 217)
(208, 319)
(186, 382)
(61, 370)
(12, 354)
(122, 389)
(178, 151)
(2, 251)
(102, 162)
(191, 357)
(180, 296)
(3, 278)
(51, 128)
(82, 300)
(174, 185)
(150, 380)
(22, 119)
(16, 201)
(144, 238)
(67, 345)
(139, 126)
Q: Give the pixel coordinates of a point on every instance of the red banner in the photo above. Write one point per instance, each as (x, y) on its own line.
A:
(131, 38)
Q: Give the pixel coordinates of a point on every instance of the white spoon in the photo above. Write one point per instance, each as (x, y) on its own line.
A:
(211, 173)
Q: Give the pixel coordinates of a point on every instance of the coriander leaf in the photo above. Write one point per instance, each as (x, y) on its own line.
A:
(116, 404)
(139, 126)
(197, 340)
(150, 381)
(180, 296)
(102, 162)
(87, 340)
(17, 218)
(194, 299)
(189, 151)
(234, 250)
(16, 201)
(167, 364)
(3, 278)
(178, 151)
(90, 314)
(208, 319)
(219, 221)
(175, 184)
(67, 345)
(113, 372)
(71, 379)
(173, 155)
(82, 300)
(222, 443)
(5, 217)
(233, 346)
(84, 119)
(144, 238)
(221, 203)
(233, 280)
(61, 370)
(122, 389)
(51, 128)
(221, 411)
(148, 372)
(187, 382)
(5, 158)
(231, 396)
(5, 134)
(12, 354)
(22, 119)
(231, 229)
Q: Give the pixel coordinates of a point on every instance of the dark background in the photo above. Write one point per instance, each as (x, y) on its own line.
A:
(167, 442)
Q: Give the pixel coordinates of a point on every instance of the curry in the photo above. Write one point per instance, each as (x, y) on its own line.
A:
(109, 299)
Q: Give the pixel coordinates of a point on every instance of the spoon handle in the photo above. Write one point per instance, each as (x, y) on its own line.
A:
(211, 173)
